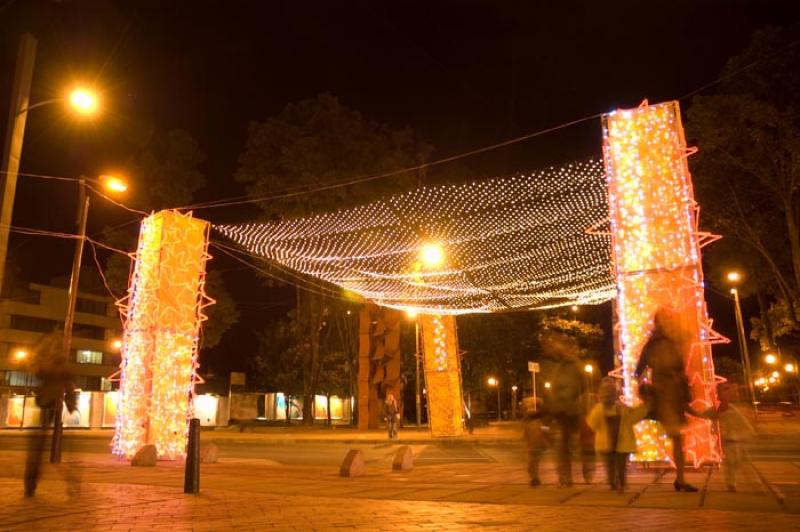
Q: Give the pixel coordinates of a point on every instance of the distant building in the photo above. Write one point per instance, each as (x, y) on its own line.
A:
(27, 315)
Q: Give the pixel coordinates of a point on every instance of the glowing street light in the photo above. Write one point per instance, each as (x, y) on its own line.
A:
(491, 381)
(734, 277)
(776, 374)
(770, 359)
(117, 344)
(588, 368)
(575, 308)
(431, 255)
(113, 183)
(411, 313)
(83, 101)
(547, 385)
(789, 368)
(20, 355)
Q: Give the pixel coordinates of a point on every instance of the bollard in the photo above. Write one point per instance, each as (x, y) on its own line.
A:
(191, 479)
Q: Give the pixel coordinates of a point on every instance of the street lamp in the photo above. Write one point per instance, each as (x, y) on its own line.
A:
(514, 402)
(734, 277)
(72, 294)
(547, 385)
(790, 368)
(81, 100)
(412, 315)
(770, 359)
(20, 355)
(491, 381)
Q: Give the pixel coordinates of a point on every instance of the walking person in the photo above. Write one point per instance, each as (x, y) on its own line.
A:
(670, 387)
(55, 386)
(536, 437)
(612, 422)
(736, 432)
(391, 413)
(566, 399)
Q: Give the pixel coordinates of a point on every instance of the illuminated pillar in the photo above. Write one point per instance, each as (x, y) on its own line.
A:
(442, 375)
(163, 314)
(656, 250)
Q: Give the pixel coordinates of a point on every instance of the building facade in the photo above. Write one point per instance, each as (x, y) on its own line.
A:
(30, 314)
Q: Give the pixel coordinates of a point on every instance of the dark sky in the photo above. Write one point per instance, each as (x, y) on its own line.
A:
(461, 73)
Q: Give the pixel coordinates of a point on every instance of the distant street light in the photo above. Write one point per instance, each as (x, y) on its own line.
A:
(491, 381)
(588, 368)
(770, 359)
(575, 308)
(20, 355)
(117, 344)
(547, 385)
(412, 315)
(514, 402)
(789, 368)
(734, 277)
(776, 374)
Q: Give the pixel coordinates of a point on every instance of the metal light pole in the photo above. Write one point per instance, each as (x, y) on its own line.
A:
(514, 402)
(499, 413)
(69, 320)
(417, 356)
(743, 350)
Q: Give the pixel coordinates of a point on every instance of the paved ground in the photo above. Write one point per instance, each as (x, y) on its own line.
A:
(258, 494)
(288, 481)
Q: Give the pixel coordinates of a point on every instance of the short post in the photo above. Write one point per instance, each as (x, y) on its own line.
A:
(191, 479)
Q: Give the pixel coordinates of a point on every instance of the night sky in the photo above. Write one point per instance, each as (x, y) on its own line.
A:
(462, 74)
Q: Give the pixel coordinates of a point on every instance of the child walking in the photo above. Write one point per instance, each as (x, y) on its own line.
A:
(736, 431)
(612, 422)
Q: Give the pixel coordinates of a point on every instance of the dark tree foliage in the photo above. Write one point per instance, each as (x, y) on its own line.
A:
(747, 175)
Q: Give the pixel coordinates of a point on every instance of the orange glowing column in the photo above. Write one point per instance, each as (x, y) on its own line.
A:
(656, 250)
(163, 313)
(442, 375)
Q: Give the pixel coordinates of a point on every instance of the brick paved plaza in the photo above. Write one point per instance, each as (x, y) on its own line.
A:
(256, 494)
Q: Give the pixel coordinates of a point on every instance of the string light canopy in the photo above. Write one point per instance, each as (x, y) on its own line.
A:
(486, 246)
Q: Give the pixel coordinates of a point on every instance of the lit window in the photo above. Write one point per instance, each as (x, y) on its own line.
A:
(84, 356)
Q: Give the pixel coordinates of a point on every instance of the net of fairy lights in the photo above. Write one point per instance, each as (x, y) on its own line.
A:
(506, 243)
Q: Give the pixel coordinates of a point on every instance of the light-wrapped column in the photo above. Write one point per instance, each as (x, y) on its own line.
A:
(442, 375)
(656, 258)
(163, 313)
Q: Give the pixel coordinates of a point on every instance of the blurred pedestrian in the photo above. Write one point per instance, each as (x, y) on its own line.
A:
(565, 402)
(736, 432)
(671, 395)
(612, 422)
(55, 388)
(536, 434)
(391, 413)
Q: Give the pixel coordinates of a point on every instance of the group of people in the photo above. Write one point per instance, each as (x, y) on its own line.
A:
(607, 427)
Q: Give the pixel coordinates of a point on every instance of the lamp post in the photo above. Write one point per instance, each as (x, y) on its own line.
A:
(113, 184)
(493, 382)
(734, 277)
(514, 402)
(82, 100)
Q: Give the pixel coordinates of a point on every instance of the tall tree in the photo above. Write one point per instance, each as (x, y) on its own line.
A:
(166, 173)
(747, 174)
(318, 145)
